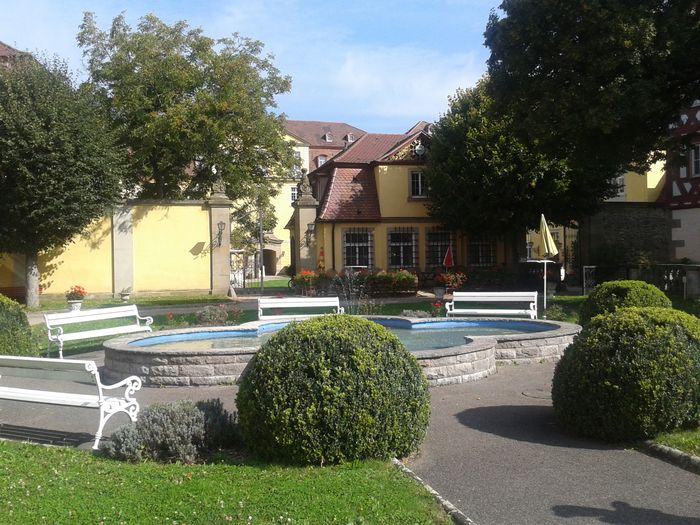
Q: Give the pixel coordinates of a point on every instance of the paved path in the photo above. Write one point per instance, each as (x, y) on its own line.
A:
(494, 451)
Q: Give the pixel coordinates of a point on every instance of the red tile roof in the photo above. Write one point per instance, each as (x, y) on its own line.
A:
(371, 147)
(8, 51)
(351, 196)
(312, 132)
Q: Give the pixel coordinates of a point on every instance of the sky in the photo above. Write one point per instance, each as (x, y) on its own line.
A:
(380, 65)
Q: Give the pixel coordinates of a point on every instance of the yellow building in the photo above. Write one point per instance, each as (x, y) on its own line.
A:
(314, 144)
(367, 208)
(164, 246)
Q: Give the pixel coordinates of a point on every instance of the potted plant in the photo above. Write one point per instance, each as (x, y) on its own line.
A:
(125, 294)
(75, 297)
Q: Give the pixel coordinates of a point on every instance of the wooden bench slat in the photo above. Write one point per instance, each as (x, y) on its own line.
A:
(49, 397)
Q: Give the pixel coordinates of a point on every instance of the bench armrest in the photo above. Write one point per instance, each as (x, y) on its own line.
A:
(54, 336)
(148, 319)
(131, 384)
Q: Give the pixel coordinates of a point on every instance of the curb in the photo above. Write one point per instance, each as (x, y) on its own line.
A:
(454, 513)
(672, 455)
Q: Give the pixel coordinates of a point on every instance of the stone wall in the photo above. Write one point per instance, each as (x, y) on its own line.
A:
(624, 232)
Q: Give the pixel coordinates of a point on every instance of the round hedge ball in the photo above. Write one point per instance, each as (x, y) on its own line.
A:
(630, 374)
(333, 389)
(608, 297)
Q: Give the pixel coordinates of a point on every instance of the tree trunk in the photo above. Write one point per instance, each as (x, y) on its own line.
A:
(32, 279)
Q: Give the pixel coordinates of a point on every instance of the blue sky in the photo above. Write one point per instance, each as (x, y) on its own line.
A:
(380, 65)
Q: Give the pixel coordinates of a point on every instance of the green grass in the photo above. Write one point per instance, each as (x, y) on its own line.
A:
(686, 440)
(50, 303)
(54, 485)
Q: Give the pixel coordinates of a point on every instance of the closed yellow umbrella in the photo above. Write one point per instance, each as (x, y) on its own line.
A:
(549, 249)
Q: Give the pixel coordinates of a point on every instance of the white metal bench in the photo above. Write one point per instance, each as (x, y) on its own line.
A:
(280, 303)
(56, 322)
(493, 297)
(60, 379)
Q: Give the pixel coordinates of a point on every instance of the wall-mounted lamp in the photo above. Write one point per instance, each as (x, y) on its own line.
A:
(221, 225)
(310, 230)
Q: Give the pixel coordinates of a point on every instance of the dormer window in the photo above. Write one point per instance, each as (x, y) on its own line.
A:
(328, 137)
(350, 137)
(321, 160)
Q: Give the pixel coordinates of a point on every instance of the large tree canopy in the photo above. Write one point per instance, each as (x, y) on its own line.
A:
(595, 81)
(485, 180)
(185, 103)
(59, 165)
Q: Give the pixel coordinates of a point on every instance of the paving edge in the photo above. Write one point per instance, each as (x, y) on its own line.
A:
(454, 513)
(673, 455)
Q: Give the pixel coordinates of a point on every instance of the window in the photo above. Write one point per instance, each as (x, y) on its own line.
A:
(437, 242)
(358, 248)
(295, 193)
(296, 171)
(402, 248)
(328, 137)
(695, 160)
(321, 160)
(419, 189)
(482, 252)
(350, 137)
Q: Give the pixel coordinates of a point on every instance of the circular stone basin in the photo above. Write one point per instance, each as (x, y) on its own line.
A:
(449, 350)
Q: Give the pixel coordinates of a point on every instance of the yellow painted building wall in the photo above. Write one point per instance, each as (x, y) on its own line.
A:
(11, 270)
(393, 186)
(85, 261)
(282, 204)
(171, 248)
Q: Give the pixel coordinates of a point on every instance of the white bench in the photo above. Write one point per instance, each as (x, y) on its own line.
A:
(493, 297)
(56, 322)
(268, 303)
(55, 375)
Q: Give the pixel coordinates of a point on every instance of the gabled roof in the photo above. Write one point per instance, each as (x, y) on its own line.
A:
(351, 196)
(7, 52)
(369, 147)
(313, 132)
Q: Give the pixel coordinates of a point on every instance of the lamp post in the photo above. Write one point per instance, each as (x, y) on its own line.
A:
(261, 240)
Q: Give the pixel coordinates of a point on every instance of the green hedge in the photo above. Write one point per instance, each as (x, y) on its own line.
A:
(608, 297)
(333, 389)
(630, 374)
(15, 335)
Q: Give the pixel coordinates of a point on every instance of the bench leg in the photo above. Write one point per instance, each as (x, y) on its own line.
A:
(112, 406)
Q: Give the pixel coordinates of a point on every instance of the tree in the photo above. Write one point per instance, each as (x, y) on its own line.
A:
(483, 179)
(184, 104)
(595, 81)
(59, 165)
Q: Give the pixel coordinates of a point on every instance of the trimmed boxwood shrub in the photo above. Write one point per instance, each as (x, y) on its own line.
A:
(608, 297)
(333, 389)
(15, 334)
(630, 374)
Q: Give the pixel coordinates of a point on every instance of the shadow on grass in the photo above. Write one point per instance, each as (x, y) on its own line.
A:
(530, 423)
(624, 514)
(44, 436)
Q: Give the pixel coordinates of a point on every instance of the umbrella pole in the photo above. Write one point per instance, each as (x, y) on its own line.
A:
(544, 294)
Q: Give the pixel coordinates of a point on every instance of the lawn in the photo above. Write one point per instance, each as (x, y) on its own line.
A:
(686, 440)
(53, 303)
(54, 485)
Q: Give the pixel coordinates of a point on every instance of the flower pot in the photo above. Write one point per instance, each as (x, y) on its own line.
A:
(125, 297)
(75, 304)
(439, 292)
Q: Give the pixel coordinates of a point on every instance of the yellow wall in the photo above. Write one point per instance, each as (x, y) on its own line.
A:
(171, 248)
(655, 180)
(393, 184)
(282, 204)
(85, 261)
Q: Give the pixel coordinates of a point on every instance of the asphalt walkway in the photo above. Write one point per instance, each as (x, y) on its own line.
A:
(492, 449)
